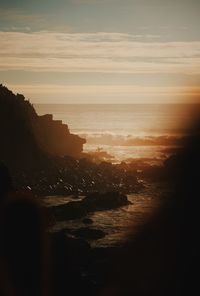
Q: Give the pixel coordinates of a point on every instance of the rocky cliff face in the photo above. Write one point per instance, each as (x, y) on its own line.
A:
(27, 137)
(54, 137)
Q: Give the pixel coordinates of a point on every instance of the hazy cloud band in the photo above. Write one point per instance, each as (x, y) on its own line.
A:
(97, 52)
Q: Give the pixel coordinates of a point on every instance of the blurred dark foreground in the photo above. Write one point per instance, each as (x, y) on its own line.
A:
(162, 258)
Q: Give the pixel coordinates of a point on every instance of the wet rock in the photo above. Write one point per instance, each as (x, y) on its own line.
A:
(89, 233)
(91, 203)
(69, 211)
(105, 201)
(72, 250)
(87, 221)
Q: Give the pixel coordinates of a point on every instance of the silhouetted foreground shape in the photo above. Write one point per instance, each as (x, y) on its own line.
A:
(160, 260)
(5, 182)
(43, 156)
(163, 257)
(26, 138)
(22, 247)
(23, 243)
(93, 202)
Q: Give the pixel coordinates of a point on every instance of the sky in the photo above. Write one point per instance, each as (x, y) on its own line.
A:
(101, 51)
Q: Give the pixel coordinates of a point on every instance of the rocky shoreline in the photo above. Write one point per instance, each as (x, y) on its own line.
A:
(42, 168)
(68, 176)
(73, 255)
(91, 203)
(85, 268)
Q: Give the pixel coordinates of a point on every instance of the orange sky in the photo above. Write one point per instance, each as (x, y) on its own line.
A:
(108, 51)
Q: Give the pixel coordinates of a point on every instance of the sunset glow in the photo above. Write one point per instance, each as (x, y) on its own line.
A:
(100, 142)
(140, 51)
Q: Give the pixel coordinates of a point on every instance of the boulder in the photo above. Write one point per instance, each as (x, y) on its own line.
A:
(69, 211)
(105, 201)
(89, 233)
(87, 221)
(91, 203)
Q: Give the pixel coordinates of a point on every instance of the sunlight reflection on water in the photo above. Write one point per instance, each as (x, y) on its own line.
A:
(115, 127)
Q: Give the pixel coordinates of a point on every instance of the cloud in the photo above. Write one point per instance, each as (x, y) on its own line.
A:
(97, 52)
(105, 91)
(17, 15)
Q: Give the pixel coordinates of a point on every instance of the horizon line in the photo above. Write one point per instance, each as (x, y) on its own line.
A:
(120, 104)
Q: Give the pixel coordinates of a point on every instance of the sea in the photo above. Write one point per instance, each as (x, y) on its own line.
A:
(125, 131)
(117, 224)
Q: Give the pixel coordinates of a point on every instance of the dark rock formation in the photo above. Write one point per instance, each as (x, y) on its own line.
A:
(6, 185)
(89, 233)
(93, 202)
(70, 255)
(26, 138)
(87, 221)
(54, 137)
(105, 201)
(69, 176)
(73, 245)
(43, 156)
(18, 145)
(77, 268)
(69, 211)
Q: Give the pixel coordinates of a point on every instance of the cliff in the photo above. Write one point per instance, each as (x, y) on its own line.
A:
(27, 137)
(55, 138)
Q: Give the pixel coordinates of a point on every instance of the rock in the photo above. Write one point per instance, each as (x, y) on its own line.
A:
(73, 249)
(29, 139)
(69, 211)
(63, 241)
(91, 203)
(105, 201)
(89, 233)
(87, 221)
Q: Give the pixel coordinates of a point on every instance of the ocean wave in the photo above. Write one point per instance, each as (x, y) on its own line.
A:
(130, 140)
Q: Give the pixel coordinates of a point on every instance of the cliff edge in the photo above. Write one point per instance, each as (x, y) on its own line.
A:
(27, 137)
